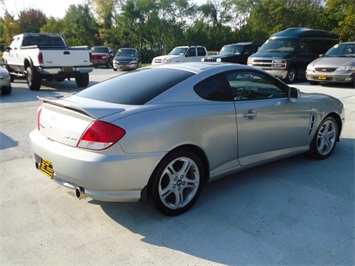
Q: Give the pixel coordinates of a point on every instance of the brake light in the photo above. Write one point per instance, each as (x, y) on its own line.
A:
(100, 135)
(39, 110)
(40, 58)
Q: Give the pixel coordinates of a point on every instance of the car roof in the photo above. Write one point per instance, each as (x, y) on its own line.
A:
(197, 67)
(245, 43)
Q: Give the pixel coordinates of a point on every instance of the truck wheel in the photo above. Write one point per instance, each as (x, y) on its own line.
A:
(291, 75)
(33, 79)
(82, 80)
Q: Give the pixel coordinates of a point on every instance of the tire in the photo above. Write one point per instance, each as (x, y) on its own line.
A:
(314, 82)
(33, 79)
(176, 183)
(82, 80)
(325, 139)
(6, 90)
(291, 75)
(114, 69)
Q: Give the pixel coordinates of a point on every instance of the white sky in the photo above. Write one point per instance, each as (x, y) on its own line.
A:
(54, 8)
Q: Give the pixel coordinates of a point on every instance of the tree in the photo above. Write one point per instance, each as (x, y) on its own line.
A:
(31, 20)
(79, 26)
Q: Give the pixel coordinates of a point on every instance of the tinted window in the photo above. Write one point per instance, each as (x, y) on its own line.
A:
(136, 88)
(201, 51)
(240, 86)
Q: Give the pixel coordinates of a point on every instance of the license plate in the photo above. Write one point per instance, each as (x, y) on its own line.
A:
(68, 69)
(46, 168)
(322, 77)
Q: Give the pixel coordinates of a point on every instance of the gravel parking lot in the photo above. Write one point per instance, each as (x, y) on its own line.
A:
(297, 211)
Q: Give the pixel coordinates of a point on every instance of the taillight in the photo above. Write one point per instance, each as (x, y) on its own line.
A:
(39, 110)
(100, 135)
(40, 58)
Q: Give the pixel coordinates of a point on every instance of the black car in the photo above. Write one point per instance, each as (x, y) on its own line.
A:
(126, 58)
(235, 53)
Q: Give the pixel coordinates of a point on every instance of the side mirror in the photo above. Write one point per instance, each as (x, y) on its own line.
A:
(8, 49)
(293, 94)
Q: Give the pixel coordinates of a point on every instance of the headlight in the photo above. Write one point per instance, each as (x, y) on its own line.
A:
(219, 60)
(279, 63)
(346, 68)
(310, 67)
(166, 61)
(134, 62)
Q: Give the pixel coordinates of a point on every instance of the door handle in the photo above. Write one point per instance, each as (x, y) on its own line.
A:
(250, 114)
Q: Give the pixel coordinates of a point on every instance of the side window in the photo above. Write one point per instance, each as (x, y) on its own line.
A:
(201, 51)
(215, 88)
(248, 50)
(249, 85)
(191, 51)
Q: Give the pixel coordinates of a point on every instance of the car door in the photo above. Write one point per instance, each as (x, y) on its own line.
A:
(268, 124)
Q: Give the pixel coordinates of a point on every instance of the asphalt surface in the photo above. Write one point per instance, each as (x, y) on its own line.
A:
(297, 211)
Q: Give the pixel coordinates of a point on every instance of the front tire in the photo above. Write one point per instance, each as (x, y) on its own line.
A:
(325, 139)
(33, 78)
(177, 183)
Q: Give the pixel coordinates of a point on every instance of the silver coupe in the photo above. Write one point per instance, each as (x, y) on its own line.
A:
(159, 134)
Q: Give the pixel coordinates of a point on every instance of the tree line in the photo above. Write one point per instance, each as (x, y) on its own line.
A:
(154, 27)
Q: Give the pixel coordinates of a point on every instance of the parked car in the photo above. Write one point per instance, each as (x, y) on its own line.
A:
(126, 58)
(5, 81)
(38, 56)
(181, 54)
(337, 65)
(287, 53)
(161, 133)
(102, 56)
(235, 53)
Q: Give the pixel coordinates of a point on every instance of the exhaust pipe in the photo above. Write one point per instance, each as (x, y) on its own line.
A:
(80, 192)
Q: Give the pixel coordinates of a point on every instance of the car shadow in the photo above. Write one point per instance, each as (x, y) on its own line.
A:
(7, 142)
(21, 93)
(266, 215)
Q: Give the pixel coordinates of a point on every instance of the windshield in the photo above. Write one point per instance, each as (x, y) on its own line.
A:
(103, 50)
(178, 51)
(231, 50)
(342, 50)
(279, 45)
(127, 52)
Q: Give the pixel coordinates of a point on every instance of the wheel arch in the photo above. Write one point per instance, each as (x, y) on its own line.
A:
(189, 147)
(338, 121)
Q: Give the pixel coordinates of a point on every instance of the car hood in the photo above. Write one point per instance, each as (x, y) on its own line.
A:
(168, 56)
(332, 62)
(125, 58)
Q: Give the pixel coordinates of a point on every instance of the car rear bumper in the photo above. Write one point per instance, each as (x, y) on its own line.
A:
(116, 177)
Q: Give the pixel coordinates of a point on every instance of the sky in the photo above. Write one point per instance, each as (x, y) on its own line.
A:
(54, 8)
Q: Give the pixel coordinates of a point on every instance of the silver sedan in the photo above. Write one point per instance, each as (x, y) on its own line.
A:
(159, 134)
(337, 65)
(5, 81)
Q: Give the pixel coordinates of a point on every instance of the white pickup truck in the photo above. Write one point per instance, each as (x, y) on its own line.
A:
(39, 56)
(182, 54)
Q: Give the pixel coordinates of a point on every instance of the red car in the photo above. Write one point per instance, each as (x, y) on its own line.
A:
(102, 56)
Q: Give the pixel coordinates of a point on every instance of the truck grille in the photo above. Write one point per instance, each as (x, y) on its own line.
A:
(209, 59)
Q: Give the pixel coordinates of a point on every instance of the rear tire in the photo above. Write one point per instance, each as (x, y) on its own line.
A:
(176, 182)
(325, 139)
(82, 80)
(33, 78)
(6, 90)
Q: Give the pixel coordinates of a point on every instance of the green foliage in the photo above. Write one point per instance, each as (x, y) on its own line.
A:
(156, 26)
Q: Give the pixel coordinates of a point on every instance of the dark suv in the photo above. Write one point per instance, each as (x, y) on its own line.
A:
(235, 53)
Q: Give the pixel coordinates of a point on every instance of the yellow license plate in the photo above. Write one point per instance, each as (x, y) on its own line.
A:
(322, 77)
(46, 168)
(68, 69)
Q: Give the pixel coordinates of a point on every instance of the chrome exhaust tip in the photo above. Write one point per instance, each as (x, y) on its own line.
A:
(79, 192)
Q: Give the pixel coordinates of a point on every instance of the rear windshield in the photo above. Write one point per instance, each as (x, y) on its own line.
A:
(136, 88)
